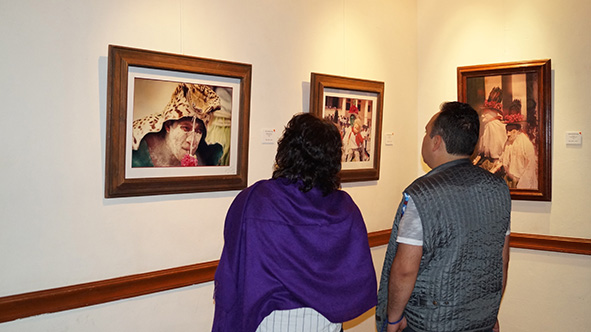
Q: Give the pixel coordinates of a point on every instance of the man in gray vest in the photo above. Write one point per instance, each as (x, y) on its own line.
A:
(446, 263)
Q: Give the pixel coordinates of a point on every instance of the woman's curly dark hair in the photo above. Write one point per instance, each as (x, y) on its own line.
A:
(310, 151)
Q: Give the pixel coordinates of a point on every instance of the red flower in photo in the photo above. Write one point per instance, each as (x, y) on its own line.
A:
(189, 160)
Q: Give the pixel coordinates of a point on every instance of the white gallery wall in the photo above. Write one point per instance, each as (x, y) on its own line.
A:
(57, 229)
(545, 291)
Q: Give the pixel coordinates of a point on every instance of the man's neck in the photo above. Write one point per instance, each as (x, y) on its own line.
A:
(447, 158)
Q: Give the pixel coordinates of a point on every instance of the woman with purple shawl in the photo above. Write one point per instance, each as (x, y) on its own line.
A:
(296, 254)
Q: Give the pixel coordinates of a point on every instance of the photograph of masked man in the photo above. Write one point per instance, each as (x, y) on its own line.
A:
(175, 137)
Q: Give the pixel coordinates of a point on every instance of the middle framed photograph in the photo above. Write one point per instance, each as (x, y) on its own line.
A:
(355, 106)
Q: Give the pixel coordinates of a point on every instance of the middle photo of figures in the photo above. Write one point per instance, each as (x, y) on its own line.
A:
(353, 117)
(355, 107)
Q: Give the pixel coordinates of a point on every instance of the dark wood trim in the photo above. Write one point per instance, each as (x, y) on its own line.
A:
(82, 295)
(569, 245)
(379, 238)
(92, 293)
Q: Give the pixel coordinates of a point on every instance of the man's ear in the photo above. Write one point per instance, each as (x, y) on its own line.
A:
(167, 126)
(437, 142)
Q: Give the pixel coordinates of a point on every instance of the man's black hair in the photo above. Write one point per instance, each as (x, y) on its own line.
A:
(459, 126)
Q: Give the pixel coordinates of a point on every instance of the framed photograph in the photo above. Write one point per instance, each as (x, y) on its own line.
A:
(355, 106)
(514, 103)
(175, 124)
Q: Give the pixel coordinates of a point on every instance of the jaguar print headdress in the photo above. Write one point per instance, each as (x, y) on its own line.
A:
(188, 100)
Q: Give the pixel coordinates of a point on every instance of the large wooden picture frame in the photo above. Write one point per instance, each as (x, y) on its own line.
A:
(155, 98)
(356, 108)
(514, 103)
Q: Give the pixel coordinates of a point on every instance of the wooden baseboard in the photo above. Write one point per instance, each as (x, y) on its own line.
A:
(569, 245)
(551, 243)
(92, 293)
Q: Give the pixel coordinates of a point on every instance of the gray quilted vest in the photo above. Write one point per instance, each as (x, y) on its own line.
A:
(465, 212)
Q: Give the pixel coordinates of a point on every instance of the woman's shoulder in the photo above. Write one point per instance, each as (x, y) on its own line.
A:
(261, 188)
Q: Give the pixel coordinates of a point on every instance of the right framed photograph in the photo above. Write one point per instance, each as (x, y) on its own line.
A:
(513, 100)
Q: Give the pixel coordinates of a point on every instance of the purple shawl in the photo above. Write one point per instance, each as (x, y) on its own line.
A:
(285, 249)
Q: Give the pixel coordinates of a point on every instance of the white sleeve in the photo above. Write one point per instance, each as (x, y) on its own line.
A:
(410, 230)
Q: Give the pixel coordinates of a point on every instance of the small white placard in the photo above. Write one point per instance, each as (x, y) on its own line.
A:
(268, 136)
(574, 138)
(389, 138)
